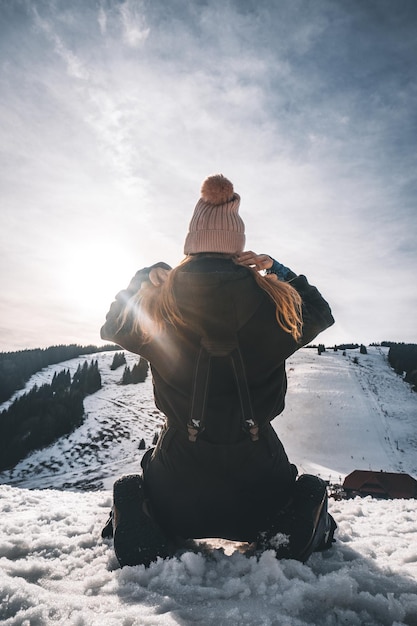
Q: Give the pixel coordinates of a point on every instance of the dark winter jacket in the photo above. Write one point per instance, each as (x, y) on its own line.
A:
(222, 304)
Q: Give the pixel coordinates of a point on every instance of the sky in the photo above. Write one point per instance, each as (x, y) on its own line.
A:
(112, 113)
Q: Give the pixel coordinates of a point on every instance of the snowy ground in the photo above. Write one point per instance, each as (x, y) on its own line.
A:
(55, 569)
(342, 416)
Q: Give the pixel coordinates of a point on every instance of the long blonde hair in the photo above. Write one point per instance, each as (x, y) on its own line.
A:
(153, 307)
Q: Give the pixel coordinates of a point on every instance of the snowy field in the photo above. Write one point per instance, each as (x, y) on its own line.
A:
(56, 569)
(342, 416)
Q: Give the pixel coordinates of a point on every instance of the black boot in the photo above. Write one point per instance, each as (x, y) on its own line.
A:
(304, 526)
(138, 539)
(313, 528)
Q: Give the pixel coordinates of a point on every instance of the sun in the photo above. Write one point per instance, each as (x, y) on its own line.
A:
(92, 277)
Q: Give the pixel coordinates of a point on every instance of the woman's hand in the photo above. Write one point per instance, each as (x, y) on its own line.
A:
(251, 259)
(158, 275)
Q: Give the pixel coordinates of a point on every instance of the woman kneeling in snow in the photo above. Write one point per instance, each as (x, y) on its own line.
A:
(216, 331)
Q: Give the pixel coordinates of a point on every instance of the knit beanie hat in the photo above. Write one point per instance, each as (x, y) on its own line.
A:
(216, 225)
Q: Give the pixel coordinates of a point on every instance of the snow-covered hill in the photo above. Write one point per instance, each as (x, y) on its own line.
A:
(55, 569)
(340, 416)
(106, 445)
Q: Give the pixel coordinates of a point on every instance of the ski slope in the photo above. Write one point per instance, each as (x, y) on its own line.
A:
(342, 416)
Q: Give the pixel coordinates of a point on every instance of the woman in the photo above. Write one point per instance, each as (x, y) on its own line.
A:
(217, 330)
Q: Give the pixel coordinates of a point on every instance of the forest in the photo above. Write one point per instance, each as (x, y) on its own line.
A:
(403, 359)
(38, 418)
(17, 367)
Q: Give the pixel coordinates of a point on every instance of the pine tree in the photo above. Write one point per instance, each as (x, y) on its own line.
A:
(142, 370)
(92, 381)
(118, 360)
(127, 376)
(137, 374)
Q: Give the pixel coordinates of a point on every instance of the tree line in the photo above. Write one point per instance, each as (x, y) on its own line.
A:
(38, 418)
(134, 375)
(17, 367)
(403, 359)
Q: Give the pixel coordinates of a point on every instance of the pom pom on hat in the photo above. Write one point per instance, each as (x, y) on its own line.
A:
(217, 189)
(216, 225)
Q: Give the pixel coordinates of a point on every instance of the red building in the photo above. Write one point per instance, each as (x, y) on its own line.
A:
(380, 484)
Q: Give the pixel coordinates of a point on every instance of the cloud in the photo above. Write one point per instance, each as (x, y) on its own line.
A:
(75, 67)
(135, 30)
(102, 20)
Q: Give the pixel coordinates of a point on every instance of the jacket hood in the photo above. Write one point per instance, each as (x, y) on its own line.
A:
(216, 303)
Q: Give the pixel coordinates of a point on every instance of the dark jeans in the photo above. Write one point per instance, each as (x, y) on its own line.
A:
(230, 491)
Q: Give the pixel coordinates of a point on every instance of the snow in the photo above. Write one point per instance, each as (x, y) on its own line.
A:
(56, 569)
(342, 416)
(106, 445)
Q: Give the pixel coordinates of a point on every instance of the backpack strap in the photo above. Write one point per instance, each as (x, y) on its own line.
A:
(195, 424)
(199, 398)
(248, 420)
